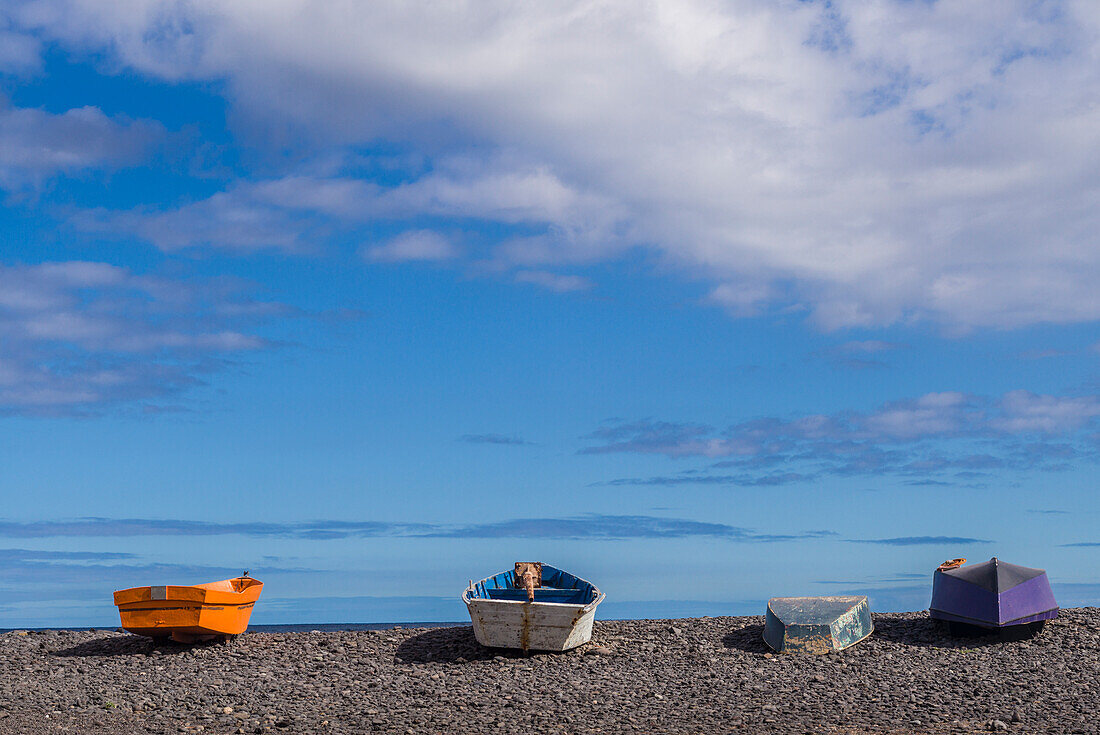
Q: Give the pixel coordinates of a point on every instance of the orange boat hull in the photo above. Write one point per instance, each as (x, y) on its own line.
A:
(188, 613)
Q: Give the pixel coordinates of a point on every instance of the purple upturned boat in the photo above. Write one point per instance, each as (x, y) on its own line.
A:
(994, 595)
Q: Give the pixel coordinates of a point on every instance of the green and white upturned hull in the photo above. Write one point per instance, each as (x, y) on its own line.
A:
(816, 625)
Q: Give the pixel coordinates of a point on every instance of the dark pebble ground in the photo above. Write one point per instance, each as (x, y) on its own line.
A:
(706, 675)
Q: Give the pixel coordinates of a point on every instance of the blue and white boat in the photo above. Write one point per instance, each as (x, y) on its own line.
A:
(534, 607)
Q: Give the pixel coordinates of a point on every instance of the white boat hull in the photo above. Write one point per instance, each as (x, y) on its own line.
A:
(539, 626)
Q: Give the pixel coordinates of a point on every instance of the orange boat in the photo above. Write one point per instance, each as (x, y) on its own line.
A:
(192, 613)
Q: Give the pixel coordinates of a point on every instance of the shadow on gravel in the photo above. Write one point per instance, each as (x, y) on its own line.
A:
(922, 633)
(451, 646)
(129, 645)
(749, 638)
(928, 633)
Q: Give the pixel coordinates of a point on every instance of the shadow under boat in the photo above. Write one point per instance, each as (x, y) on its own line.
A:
(748, 638)
(917, 632)
(930, 633)
(129, 645)
(456, 645)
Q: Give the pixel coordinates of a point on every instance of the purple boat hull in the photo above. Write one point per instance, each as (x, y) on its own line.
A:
(992, 595)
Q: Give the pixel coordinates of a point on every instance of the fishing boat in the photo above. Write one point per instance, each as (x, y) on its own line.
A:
(816, 624)
(534, 607)
(993, 595)
(189, 613)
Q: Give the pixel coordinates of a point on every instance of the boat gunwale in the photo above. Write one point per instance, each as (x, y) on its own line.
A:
(537, 603)
(196, 594)
(467, 596)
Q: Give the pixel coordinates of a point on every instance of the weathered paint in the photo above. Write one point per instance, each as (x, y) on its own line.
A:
(541, 625)
(529, 576)
(816, 625)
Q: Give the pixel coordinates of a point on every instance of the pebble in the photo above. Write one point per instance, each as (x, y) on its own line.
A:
(909, 677)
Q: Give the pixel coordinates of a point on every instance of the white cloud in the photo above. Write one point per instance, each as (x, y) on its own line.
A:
(35, 144)
(746, 298)
(557, 282)
(866, 346)
(19, 52)
(934, 414)
(875, 160)
(1024, 411)
(236, 220)
(413, 245)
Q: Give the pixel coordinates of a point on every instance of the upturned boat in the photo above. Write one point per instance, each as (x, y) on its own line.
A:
(992, 595)
(816, 625)
(189, 613)
(533, 607)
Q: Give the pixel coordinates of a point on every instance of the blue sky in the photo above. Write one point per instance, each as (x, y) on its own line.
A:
(705, 303)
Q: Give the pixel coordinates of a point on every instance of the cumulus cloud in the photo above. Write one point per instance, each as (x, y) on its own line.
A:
(80, 335)
(872, 162)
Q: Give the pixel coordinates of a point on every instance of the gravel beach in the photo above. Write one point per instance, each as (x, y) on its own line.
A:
(705, 675)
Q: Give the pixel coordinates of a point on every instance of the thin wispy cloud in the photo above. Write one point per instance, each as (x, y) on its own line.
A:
(222, 220)
(1044, 354)
(127, 527)
(80, 336)
(740, 480)
(416, 245)
(501, 439)
(615, 527)
(593, 526)
(38, 555)
(97, 579)
(881, 579)
(858, 354)
(921, 541)
(558, 282)
(938, 437)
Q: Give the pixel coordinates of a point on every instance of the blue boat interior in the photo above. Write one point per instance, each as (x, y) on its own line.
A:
(557, 586)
